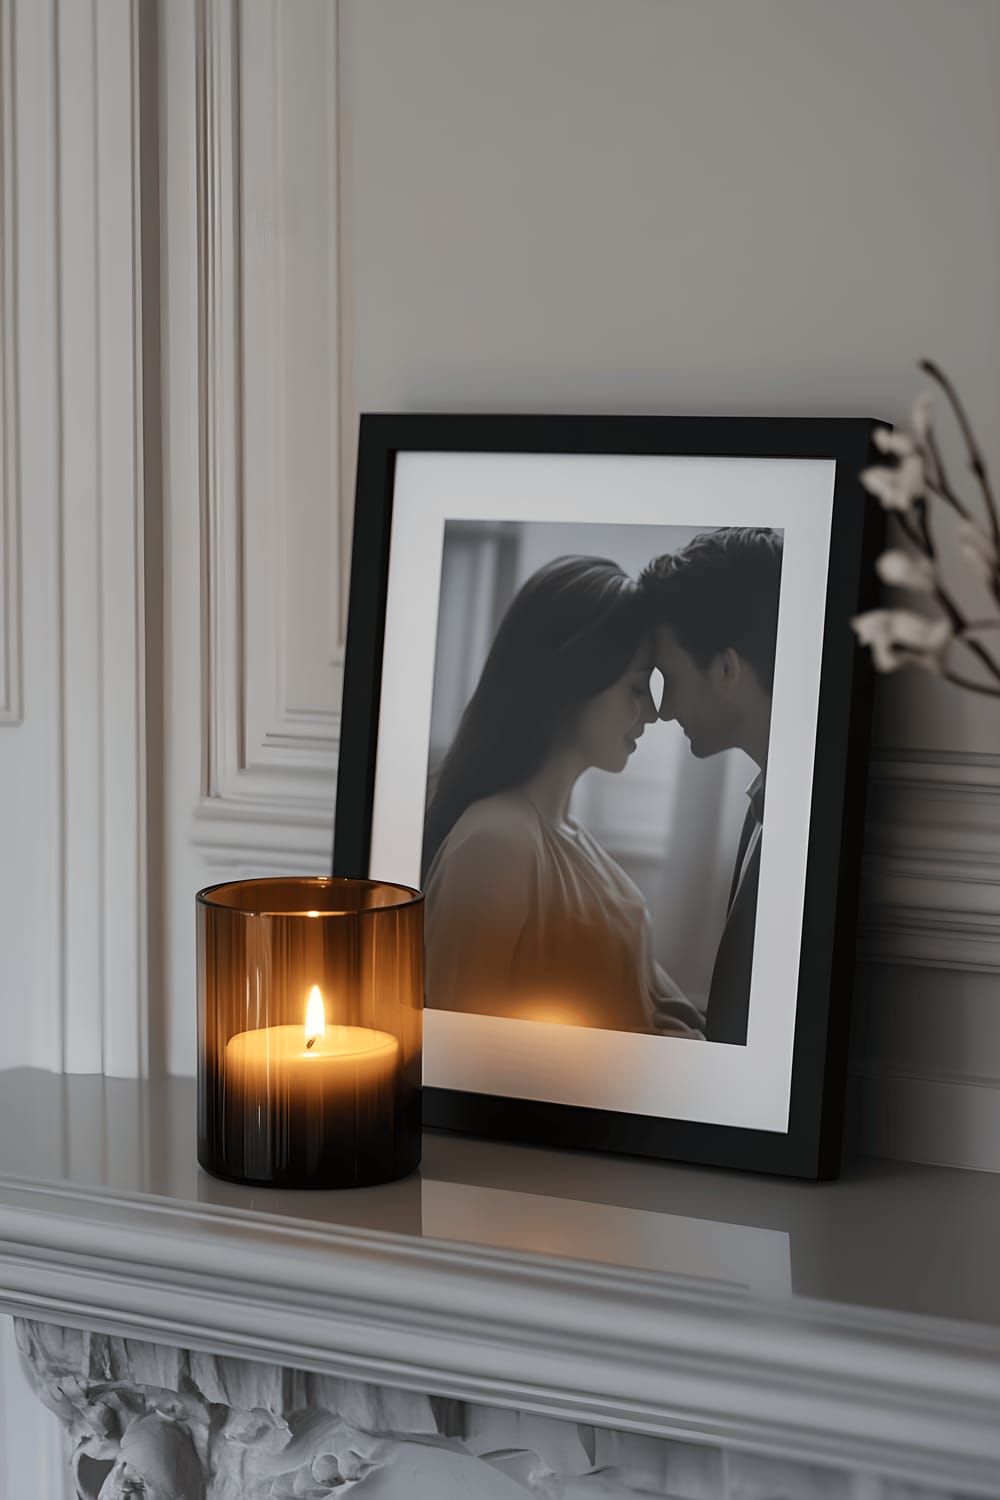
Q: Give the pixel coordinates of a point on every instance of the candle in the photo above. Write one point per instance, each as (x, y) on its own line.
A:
(318, 1095)
(325, 1064)
(289, 1096)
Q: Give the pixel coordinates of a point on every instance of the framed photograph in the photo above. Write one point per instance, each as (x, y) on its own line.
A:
(604, 705)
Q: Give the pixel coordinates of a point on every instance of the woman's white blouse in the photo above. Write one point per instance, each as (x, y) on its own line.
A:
(534, 921)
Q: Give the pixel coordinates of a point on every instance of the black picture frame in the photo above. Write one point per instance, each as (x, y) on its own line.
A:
(811, 1146)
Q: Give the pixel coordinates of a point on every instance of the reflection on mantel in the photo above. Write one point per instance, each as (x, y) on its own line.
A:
(677, 1244)
(862, 1240)
(393, 1207)
(536, 1223)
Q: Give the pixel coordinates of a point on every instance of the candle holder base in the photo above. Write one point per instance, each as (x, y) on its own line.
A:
(336, 1177)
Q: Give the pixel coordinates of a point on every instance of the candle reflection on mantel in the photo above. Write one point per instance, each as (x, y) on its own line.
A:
(537, 1224)
(392, 1207)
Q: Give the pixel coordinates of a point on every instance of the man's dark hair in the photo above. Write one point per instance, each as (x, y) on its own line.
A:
(720, 590)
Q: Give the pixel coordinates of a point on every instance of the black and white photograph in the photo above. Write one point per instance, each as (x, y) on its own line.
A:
(600, 700)
(596, 773)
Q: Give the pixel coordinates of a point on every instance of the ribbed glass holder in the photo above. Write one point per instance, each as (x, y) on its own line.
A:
(310, 1017)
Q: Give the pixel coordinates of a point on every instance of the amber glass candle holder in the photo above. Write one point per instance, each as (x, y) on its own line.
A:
(310, 1013)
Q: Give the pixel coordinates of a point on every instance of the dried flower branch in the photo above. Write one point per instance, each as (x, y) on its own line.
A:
(976, 461)
(909, 486)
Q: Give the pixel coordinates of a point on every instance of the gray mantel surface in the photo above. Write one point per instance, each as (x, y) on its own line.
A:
(853, 1323)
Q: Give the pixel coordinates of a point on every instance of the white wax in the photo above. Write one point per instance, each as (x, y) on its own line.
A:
(274, 1060)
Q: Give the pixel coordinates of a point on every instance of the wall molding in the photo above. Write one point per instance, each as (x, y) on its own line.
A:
(931, 900)
(932, 861)
(103, 857)
(256, 835)
(927, 937)
(261, 750)
(301, 212)
(950, 1119)
(11, 583)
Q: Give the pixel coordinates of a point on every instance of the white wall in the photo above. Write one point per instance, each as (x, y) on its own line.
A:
(33, 1457)
(606, 205)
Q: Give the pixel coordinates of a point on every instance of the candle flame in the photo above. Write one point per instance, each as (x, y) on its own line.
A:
(315, 1016)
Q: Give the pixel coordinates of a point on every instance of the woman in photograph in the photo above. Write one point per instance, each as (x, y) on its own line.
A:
(526, 915)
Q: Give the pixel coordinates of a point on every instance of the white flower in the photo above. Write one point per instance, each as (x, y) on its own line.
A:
(896, 489)
(922, 415)
(887, 441)
(906, 570)
(977, 549)
(900, 638)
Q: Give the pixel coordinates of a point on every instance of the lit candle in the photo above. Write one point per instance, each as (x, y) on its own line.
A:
(317, 1094)
(286, 1099)
(315, 1058)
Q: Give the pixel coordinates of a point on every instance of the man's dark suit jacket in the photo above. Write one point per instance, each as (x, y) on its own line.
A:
(729, 996)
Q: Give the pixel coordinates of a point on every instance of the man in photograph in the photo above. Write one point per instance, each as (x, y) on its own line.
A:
(713, 608)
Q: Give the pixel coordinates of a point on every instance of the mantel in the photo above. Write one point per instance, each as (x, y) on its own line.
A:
(853, 1323)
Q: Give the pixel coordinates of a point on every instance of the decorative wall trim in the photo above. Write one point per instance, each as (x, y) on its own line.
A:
(291, 352)
(260, 749)
(931, 900)
(932, 861)
(102, 860)
(945, 1118)
(218, 329)
(11, 585)
(305, 730)
(928, 937)
(261, 835)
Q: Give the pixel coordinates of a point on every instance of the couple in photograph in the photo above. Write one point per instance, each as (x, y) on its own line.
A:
(527, 916)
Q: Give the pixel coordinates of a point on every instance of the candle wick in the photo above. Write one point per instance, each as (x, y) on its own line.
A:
(310, 1041)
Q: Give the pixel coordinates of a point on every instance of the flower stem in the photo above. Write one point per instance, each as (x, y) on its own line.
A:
(940, 488)
(970, 686)
(976, 461)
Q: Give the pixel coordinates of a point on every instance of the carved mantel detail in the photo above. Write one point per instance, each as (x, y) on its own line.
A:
(170, 1424)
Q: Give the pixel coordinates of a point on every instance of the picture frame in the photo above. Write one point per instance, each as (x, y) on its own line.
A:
(458, 519)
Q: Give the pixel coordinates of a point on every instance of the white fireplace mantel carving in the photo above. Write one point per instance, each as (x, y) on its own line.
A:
(853, 1326)
(143, 1419)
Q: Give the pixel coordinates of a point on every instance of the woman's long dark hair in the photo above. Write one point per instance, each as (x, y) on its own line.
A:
(568, 633)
